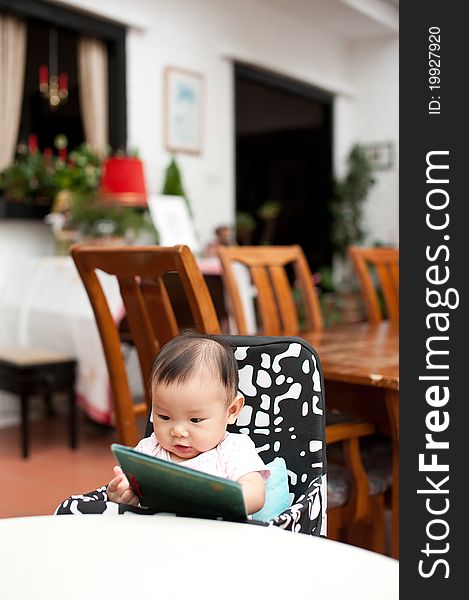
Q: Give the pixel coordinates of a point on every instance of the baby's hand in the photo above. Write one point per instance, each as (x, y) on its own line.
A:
(119, 490)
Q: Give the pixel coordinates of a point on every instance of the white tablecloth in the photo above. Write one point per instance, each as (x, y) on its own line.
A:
(161, 557)
(43, 303)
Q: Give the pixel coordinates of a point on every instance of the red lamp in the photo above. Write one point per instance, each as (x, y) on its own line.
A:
(123, 182)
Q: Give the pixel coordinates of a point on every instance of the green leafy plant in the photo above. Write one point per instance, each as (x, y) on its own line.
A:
(268, 213)
(173, 185)
(36, 178)
(325, 280)
(81, 173)
(69, 186)
(346, 204)
(30, 179)
(80, 178)
(245, 225)
(96, 219)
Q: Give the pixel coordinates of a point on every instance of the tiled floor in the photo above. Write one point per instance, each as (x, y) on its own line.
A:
(36, 485)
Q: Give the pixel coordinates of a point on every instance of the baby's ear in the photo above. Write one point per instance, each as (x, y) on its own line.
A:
(235, 408)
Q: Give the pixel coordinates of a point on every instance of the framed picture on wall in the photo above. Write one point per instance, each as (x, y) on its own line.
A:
(380, 154)
(183, 110)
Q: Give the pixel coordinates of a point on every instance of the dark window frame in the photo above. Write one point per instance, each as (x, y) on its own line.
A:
(111, 33)
(282, 83)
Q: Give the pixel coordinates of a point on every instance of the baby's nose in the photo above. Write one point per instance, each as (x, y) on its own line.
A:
(179, 430)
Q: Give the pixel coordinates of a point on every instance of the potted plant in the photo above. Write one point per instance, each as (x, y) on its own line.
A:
(27, 187)
(268, 213)
(245, 225)
(65, 190)
(346, 206)
(173, 185)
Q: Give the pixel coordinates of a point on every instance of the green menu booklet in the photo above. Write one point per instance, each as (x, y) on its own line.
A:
(173, 488)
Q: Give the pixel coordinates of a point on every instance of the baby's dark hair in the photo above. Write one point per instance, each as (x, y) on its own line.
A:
(185, 355)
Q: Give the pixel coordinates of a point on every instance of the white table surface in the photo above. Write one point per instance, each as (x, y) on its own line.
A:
(134, 556)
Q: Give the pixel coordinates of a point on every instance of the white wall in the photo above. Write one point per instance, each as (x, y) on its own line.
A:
(309, 41)
(374, 68)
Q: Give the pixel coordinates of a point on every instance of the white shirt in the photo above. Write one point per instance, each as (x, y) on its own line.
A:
(234, 457)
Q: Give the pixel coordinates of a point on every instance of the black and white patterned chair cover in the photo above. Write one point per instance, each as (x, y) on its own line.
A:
(282, 382)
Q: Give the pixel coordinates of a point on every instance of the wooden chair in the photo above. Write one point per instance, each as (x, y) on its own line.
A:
(358, 503)
(277, 309)
(356, 496)
(385, 263)
(151, 320)
(378, 273)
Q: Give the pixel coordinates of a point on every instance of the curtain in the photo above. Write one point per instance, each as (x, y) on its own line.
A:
(12, 64)
(93, 86)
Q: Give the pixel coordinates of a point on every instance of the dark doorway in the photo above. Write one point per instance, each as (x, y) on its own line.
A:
(284, 153)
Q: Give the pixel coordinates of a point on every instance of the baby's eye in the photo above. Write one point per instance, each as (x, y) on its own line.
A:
(196, 420)
(163, 417)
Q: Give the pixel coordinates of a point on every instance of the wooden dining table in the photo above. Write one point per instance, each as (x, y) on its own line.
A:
(361, 371)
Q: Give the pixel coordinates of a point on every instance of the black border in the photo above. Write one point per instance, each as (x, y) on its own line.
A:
(421, 133)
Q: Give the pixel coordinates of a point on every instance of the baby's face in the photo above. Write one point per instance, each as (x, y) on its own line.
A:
(191, 418)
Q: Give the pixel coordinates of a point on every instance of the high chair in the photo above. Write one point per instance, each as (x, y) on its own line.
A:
(282, 382)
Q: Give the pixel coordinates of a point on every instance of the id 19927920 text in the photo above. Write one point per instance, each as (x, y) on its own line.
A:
(434, 70)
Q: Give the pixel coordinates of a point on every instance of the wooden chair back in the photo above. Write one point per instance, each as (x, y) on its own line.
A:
(149, 313)
(277, 309)
(385, 263)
